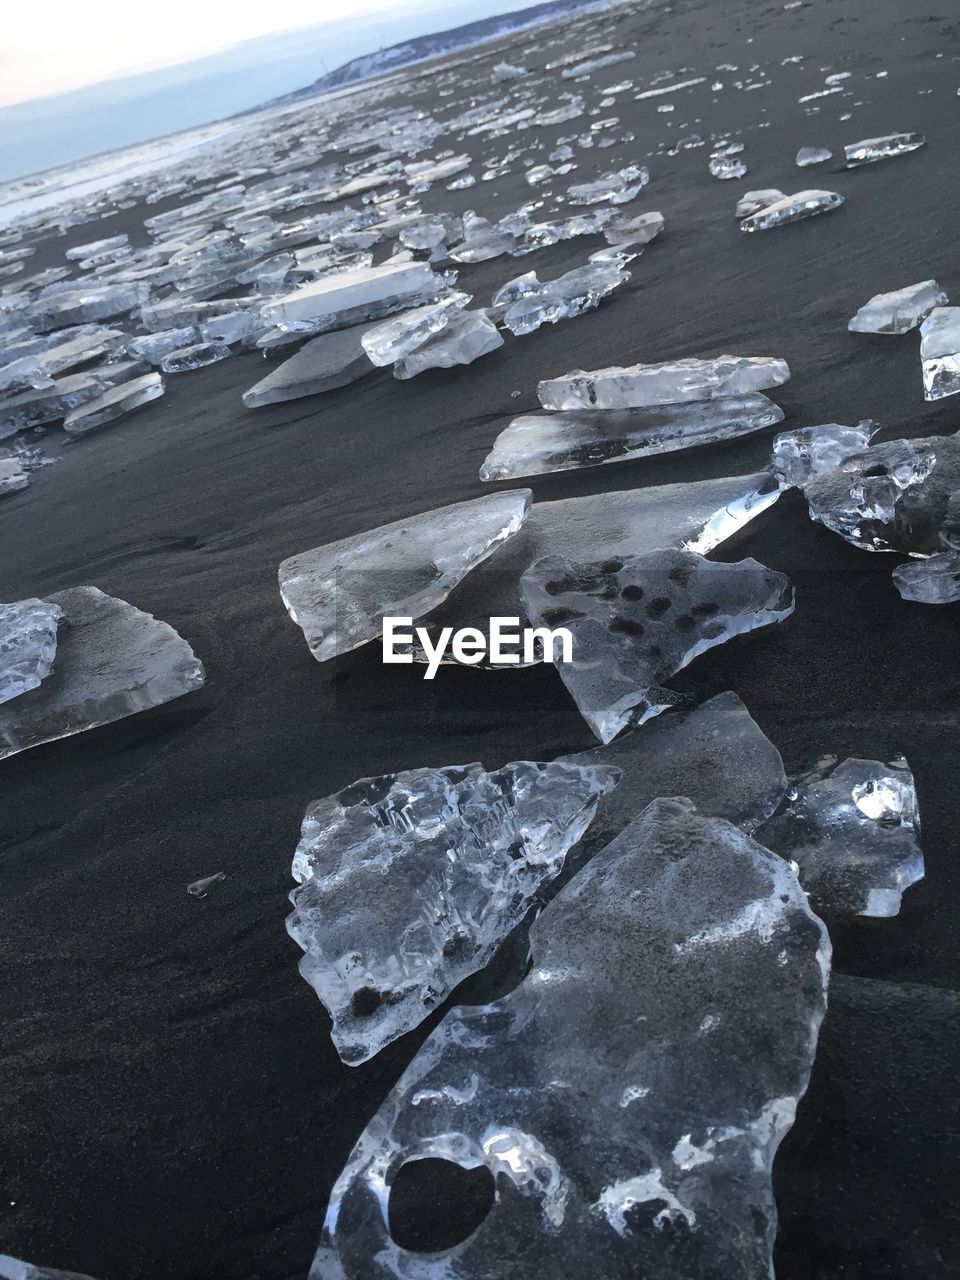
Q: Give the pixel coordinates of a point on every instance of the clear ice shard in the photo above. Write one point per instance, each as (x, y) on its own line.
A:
(870, 149)
(339, 593)
(901, 495)
(112, 661)
(940, 353)
(112, 404)
(727, 167)
(935, 580)
(697, 516)
(800, 455)
(395, 338)
(754, 201)
(410, 882)
(13, 477)
(200, 888)
(639, 230)
(197, 356)
(16, 1269)
(813, 155)
(670, 382)
(568, 296)
(342, 294)
(465, 337)
(853, 830)
(636, 620)
(537, 443)
(28, 645)
(629, 1096)
(805, 204)
(32, 409)
(322, 364)
(618, 188)
(898, 311)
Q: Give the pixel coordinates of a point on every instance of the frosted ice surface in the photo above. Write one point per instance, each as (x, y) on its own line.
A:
(639, 230)
(392, 285)
(339, 593)
(898, 311)
(804, 204)
(28, 644)
(670, 382)
(636, 620)
(537, 443)
(112, 660)
(628, 1098)
(807, 156)
(800, 455)
(410, 881)
(322, 364)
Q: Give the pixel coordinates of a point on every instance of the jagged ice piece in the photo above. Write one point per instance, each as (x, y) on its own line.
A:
(28, 645)
(940, 353)
(805, 204)
(466, 337)
(112, 404)
(800, 455)
(898, 311)
(935, 580)
(670, 382)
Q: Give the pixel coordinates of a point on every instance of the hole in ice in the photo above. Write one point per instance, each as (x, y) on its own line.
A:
(657, 607)
(436, 1204)
(365, 1001)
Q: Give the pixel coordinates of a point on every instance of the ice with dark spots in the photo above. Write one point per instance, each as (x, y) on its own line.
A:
(627, 1099)
(636, 620)
(409, 882)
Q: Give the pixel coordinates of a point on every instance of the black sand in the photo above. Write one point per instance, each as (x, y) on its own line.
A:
(172, 1105)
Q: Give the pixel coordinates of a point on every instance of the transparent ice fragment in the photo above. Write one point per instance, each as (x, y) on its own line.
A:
(409, 883)
(112, 404)
(13, 475)
(568, 296)
(638, 620)
(200, 888)
(154, 346)
(883, 148)
(639, 230)
(16, 1269)
(112, 661)
(322, 364)
(853, 830)
(804, 204)
(34, 408)
(197, 356)
(935, 580)
(940, 353)
(800, 455)
(754, 201)
(395, 338)
(95, 247)
(537, 443)
(466, 337)
(670, 382)
(617, 188)
(28, 645)
(629, 1096)
(393, 285)
(339, 593)
(898, 311)
(726, 167)
(807, 156)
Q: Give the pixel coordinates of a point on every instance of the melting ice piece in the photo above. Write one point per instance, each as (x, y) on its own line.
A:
(618, 187)
(639, 230)
(466, 337)
(805, 204)
(28, 645)
(15, 1269)
(322, 364)
(697, 516)
(375, 290)
(807, 156)
(506, 71)
(568, 296)
(395, 338)
(197, 356)
(112, 661)
(754, 201)
(409, 882)
(714, 754)
(726, 167)
(637, 620)
(901, 495)
(339, 593)
(200, 888)
(800, 455)
(482, 240)
(935, 580)
(898, 311)
(891, 144)
(537, 443)
(671, 382)
(853, 830)
(13, 477)
(112, 404)
(628, 1098)
(940, 353)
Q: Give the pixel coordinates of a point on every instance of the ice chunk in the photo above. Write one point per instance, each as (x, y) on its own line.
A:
(569, 295)
(754, 201)
(884, 148)
(339, 593)
(200, 888)
(28, 644)
(32, 409)
(96, 247)
(805, 204)
(634, 231)
(395, 338)
(13, 477)
(483, 240)
(618, 187)
(376, 290)
(506, 71)
(466, 337)
(940, 353)
(636, 620)
(409, 882)
(671, 382)
(595, 64)
(15, 1269)
(196, 356)
(628, 1098)
(323, 364)
(112, 404)
(537, 443)
(112, 661)
(726, 167)
(935, 580)
(901, 495)
(807, 156)
(898, 311)
(853, 830)
(800, 455)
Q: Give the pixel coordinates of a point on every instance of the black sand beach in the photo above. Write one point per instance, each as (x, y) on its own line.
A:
(173, 1107)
